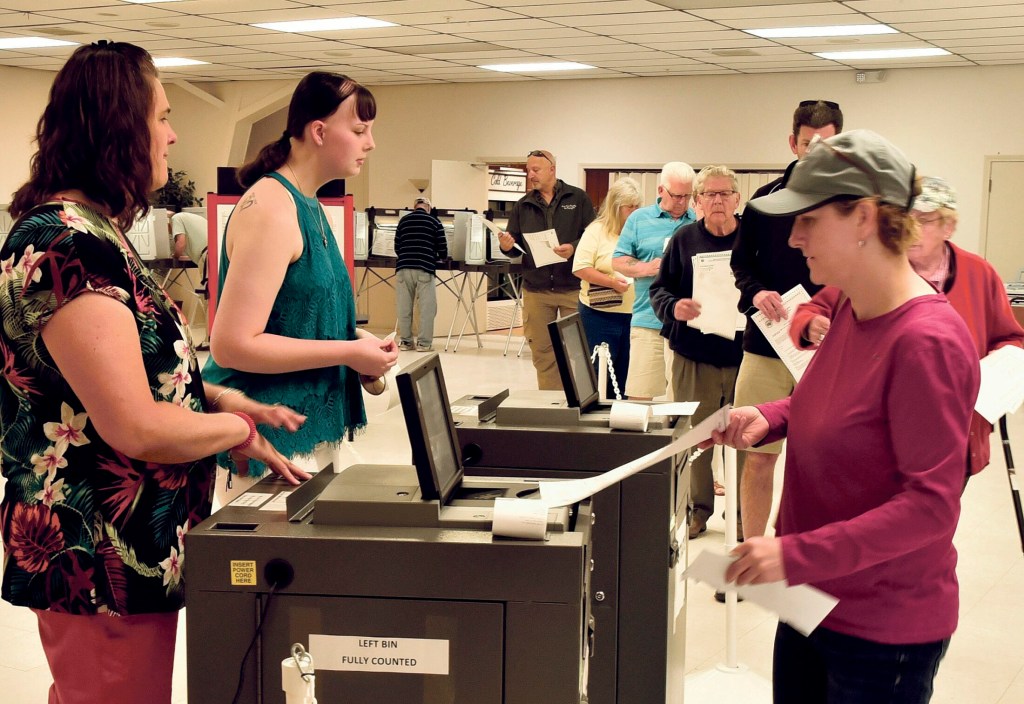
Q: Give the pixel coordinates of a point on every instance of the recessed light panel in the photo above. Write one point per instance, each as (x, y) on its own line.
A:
(332, 24)
(882, 54)
(843, 30)
(32, 43)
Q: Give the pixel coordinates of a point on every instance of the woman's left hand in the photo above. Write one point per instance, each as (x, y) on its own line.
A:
(387, 344)
(758, 561)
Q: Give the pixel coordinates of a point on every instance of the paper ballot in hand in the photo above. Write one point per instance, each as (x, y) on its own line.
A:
(542, 246)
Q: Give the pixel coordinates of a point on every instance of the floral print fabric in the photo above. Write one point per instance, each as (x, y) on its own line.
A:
(86, 529)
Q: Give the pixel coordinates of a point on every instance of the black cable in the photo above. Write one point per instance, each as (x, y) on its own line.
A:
(252, 643)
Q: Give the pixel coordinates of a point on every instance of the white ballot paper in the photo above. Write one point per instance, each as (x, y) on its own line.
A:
(777, 334)
(542, 246)
(714, 287)
(675, 408)
(1002, 383)
(569, 492)
(803, 607)
(497, 231)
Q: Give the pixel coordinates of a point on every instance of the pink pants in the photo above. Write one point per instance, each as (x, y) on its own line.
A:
(114, 660)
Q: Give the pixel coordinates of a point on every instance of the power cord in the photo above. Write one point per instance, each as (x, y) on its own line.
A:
(252, 643)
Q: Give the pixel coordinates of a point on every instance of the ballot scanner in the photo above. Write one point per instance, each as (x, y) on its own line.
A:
(390, 577)
(638, 598)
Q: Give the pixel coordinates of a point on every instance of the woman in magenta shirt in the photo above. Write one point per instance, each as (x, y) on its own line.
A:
(877, 432)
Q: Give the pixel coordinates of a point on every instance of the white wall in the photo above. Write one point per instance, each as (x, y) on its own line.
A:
(25, 93)
(946, 119)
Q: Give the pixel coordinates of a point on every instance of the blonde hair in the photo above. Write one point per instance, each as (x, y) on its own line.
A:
(714, 171)
(624, 192)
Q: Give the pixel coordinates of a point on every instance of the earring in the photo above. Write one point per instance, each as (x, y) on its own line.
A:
(860, 243)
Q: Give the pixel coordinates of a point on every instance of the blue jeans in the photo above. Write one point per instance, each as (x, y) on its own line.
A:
(832, 668)
(613, 328)
(416, 284)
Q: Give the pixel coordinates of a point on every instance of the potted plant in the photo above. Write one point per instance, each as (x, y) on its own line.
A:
(179, 192)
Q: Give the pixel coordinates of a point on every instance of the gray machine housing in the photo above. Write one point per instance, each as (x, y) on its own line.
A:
(639, 544)
(373, 559)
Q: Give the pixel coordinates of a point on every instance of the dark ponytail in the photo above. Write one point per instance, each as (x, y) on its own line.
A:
(317, 97)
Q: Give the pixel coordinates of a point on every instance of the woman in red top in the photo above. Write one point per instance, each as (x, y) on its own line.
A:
(877, 432)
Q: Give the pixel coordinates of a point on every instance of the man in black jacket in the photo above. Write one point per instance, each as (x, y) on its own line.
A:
(548, 291)
(766, 267)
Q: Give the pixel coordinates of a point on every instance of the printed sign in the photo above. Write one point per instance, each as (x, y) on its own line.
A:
(501, 181)
(243, 573)
(423, 656)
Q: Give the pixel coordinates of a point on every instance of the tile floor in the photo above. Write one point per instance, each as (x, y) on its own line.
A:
(985, 663)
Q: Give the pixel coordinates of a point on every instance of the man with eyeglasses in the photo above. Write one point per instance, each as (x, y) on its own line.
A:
(551, 291)
(704, 365)
(767, 267)
(638, 255)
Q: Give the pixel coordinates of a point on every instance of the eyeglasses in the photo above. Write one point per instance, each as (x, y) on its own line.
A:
(711, 195)
(542, 153)
(681, 197)
(829, 103)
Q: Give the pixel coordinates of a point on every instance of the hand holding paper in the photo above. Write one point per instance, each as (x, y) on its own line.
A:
(542, 246)
(802, 607)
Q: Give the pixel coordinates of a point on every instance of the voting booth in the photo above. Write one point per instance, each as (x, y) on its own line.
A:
(640, 525)
(391, 578)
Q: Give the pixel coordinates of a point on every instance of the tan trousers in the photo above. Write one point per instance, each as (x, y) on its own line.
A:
(712, 387)
(539, 309)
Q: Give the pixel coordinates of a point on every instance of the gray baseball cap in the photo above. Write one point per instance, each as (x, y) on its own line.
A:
(858, 163)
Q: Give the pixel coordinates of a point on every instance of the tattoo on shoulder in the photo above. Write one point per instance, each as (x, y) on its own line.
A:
(249, 200)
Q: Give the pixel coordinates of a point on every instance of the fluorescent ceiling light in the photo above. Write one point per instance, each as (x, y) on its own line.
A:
(32, 43)
(327, 25)
(844, 30)
(882, 54)
(169, 61)
(535, 67)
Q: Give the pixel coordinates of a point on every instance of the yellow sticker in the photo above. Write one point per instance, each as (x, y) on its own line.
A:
(243, 573)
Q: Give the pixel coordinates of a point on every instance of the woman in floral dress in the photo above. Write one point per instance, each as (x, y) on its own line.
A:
(107, 431)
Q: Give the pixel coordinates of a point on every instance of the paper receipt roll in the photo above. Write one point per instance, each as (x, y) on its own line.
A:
(630, 416)
(520, 518)
(376, 405)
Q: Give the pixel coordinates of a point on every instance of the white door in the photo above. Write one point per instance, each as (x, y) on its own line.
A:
(1003, 235)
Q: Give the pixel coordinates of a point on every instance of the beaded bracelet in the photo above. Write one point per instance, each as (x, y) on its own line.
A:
(252, 431)
(216, 399)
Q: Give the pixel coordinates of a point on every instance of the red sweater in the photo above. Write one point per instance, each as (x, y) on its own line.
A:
(977, 294)
(877, 430)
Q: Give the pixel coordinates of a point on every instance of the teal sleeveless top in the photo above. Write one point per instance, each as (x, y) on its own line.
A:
(315, 302)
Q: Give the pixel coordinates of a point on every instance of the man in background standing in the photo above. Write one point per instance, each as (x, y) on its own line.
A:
(419, 244)
(550, 291)
(766, 267)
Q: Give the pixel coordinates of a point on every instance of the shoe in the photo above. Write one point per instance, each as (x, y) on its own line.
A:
(406, 346)
(428, 348)
(720, 597)
(697, 526)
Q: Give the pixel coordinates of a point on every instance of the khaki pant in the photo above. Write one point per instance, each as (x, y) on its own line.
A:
(712, 387)
(539, 309)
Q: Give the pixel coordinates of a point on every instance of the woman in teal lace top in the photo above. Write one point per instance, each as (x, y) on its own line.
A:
(285, 325)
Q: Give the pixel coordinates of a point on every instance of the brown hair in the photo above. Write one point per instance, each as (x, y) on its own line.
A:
(897, 228)
(93, 135)
(817, 115)
(318, 96)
